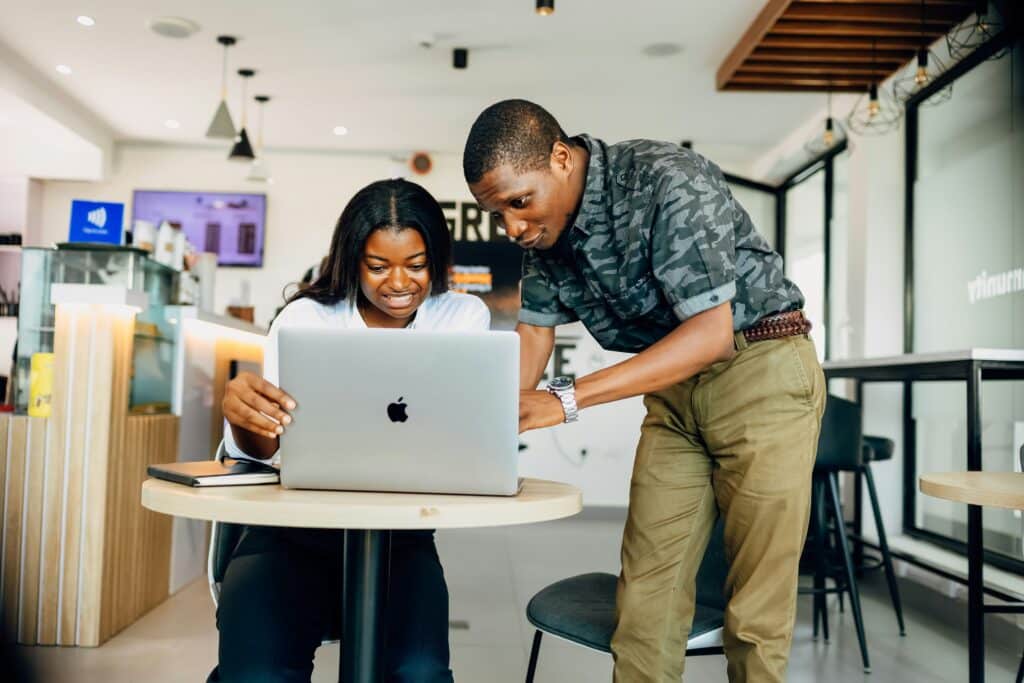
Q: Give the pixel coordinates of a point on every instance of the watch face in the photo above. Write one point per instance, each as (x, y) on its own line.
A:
(560, 383)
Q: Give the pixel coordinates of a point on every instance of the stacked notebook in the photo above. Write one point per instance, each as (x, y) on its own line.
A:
(214, 473)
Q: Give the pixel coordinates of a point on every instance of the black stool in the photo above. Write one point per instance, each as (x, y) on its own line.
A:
(878, 449)
(839, 450)
(581, 609)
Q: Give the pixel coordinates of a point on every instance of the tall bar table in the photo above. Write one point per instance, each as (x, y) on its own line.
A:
(970, 366)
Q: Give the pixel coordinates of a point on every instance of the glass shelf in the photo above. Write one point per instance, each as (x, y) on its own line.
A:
(153, 349)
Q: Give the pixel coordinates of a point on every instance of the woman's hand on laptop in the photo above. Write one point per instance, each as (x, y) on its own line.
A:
(256, 405)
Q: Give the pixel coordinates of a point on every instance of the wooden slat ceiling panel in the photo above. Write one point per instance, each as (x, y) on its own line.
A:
(828, 44)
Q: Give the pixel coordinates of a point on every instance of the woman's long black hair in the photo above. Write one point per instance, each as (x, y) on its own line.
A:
(392, 204)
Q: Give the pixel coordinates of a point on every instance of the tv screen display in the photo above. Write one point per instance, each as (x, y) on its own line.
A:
(229, 224)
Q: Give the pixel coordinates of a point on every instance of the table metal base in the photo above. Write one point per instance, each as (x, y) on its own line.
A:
(367, 559)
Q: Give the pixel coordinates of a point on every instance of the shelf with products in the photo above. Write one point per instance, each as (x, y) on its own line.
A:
(124, 267)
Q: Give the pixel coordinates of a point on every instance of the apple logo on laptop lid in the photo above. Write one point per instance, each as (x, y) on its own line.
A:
(396, 411)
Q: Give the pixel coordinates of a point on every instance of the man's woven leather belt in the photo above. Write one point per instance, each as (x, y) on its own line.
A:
(778, 326)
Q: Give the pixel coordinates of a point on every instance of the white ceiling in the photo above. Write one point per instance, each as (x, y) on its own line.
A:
(34, 144)
(358, 63)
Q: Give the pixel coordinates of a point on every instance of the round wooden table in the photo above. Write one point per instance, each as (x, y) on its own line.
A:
(991, 489)
(368, 519)
(978, 489)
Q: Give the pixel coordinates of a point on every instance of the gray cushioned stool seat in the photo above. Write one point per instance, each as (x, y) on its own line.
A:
(582, 609)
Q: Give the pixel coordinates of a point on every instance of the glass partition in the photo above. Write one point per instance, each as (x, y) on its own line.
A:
(968, 280)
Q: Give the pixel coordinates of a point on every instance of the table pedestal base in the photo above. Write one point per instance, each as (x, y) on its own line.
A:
(367, 555)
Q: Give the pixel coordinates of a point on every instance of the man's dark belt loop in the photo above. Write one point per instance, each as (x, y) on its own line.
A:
(778, 326)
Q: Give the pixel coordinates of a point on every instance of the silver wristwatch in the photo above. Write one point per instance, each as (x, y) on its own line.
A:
(564, 388)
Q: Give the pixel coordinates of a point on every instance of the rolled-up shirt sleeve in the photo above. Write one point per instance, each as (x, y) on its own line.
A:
(540, 303)
(693, 243)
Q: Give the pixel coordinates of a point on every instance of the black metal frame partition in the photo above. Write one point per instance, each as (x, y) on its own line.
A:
(963, 67)
(823, 162)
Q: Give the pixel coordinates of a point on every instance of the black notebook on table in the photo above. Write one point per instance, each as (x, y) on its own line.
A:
(214, 473)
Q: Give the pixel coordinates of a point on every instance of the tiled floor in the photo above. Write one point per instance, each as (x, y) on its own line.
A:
(492, 574)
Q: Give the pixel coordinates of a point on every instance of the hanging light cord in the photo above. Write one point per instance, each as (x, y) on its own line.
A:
(922, 25)
(260, 142)
(224, 75)
(244, 81)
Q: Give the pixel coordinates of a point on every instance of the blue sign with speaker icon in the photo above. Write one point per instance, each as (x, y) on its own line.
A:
(96, 222)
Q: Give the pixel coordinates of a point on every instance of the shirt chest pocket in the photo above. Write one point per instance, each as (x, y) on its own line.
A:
(578, 298)
(637, 300)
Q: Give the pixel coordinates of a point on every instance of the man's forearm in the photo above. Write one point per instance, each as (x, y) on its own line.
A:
(697, 343)
(535, 347)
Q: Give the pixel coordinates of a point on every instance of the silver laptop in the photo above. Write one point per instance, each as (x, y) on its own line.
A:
(403, 411)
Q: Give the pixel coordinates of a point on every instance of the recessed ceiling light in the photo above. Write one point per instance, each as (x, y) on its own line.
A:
(173, 27)
(86, 20)
(64, 69)
(662, 49)
(171, 123)
(340, 130)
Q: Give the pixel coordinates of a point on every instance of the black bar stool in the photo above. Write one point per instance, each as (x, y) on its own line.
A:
(878, 449)
(839, 450)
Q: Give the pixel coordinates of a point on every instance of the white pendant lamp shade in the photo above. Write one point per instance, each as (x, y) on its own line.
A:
(222, 126)
(259, 170)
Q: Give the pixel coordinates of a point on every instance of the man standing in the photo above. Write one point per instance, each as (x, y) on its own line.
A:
(644, 243)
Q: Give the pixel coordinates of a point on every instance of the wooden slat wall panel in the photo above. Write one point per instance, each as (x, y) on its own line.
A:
(81, 558)
(31, 546)
(77, 452)
(13, 509)
(140, 547)
(5, 427)
(95, 473)
(53, 486)
(115, 524)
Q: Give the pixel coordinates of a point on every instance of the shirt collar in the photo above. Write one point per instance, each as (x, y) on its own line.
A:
(594, 190)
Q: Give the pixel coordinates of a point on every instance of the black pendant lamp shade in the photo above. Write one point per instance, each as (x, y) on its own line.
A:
(545, 7)
(828, 138)
(222, 126)
(242, 151)
(927, 68)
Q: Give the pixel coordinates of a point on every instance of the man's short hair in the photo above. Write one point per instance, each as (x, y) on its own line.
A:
(514, 132)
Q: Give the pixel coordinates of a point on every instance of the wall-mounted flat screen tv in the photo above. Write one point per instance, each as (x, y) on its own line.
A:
(229, 224)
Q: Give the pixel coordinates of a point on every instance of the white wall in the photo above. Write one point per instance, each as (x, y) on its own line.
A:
(20, 207)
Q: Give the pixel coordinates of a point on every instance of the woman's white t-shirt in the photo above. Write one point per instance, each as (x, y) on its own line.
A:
(451, 312)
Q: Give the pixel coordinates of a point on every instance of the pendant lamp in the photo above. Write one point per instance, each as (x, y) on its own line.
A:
(259, 171)
(927, 68)
(242, 151)
(969, 36)
(827, 139)
(875, 113)
(222, 126)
